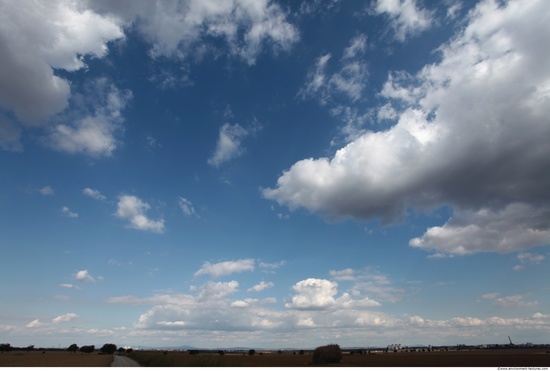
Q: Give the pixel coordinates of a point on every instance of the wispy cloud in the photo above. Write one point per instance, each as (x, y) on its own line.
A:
(93, 193)
(405, 17)
(228, 146)
(261, 286)
(186, 207)
(65, 318)
(67, 212)
(510, 301)
(226, 268)
(84, 275)
(47, 191)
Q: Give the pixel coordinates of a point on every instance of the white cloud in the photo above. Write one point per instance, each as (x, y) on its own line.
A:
(84, 275)
(313, 294)
(36, 38)
(348, 81)
(229, 144)
(530, 258)
(339, 88)
(272, 266)
(320, 6)
(463, 126)
(93, 193)
(34, 324)
(406, 18)
(316, 80)
(69, 286)
(47, 191)
(93, 134)
(261, 286)
(217, 290)
(225, 268)
(133, 209)
(65, 318)
(186, 207)
(186, 30)
(505, 230)
(217, 308)
(510, 301)
(67, 212)
(343, 275)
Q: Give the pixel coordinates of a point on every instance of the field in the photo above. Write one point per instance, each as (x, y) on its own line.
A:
(474, 358)
(53, 358)
(477, 358)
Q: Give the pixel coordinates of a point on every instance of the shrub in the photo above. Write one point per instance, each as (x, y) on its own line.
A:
(251, 352)
(327, 354)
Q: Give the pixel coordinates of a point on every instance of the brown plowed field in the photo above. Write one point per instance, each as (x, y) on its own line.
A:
(477, 358)
(36, 358)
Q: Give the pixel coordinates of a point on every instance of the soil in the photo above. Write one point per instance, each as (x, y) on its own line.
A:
(37, 358)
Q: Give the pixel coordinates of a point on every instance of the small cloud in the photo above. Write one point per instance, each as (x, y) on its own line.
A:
(529, 258)
(152, 144)
(68, 212)
(229, 144)
(93, 193)
(133, 209)
(186, 207)
(84, 276)
(405, 17)
(34, 324)
(261, 286)
(510, 301)
(272, 265)
(225, 268)
(65, 318)
(491, 295)
(47, 191)
(69, 286)
(343, 275)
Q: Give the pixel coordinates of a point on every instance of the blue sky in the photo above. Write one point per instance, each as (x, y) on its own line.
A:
(274, 174)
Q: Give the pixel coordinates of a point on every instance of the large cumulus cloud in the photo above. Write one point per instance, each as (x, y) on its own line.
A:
(471, 132)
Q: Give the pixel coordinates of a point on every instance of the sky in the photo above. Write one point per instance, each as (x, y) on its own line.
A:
(274, 174)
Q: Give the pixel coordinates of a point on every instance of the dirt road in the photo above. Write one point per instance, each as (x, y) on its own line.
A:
(121, 361)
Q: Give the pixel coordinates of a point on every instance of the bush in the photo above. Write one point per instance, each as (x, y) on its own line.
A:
(327, 354)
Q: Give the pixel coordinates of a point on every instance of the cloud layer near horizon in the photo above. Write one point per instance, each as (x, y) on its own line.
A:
(470, 133)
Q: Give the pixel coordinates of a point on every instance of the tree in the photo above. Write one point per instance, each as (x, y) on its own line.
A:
(72, 348)
(87, 348)
(327, 354)
(251, 352)
(5, 347)
(108, 348)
